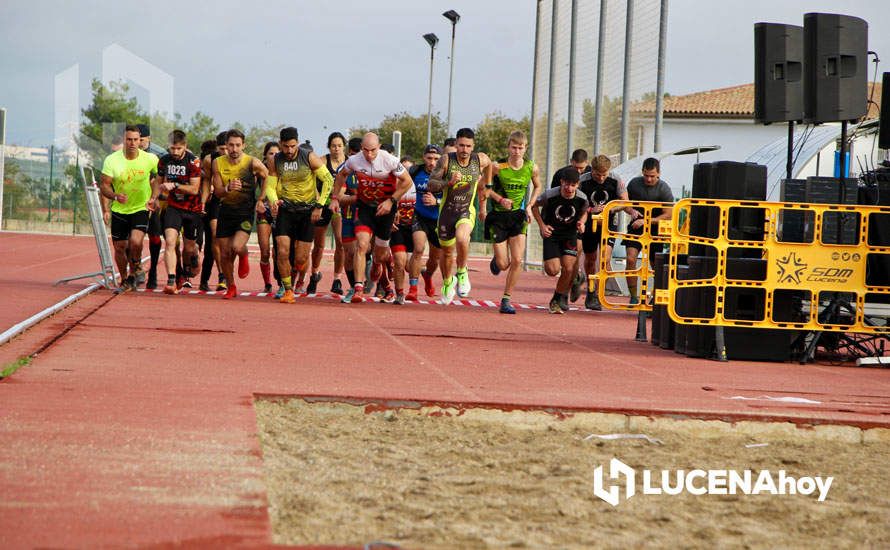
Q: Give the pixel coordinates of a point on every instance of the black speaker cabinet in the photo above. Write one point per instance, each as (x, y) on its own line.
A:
(778, 72)
(884, 135)
(835, 67)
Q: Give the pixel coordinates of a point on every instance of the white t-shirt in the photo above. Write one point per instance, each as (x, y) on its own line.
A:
(376, 180)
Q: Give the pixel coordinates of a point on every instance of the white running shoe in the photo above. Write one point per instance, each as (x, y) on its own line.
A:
(448, 291)
(463, 284)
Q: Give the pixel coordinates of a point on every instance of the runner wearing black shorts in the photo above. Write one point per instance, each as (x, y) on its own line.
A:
(401, 242)
(561, 214)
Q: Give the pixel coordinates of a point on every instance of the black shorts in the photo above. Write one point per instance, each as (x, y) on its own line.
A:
(630, 243)
(156, 222)
(265, 217)
(230, 223)
(326, 215)
(500, 226)
(590, 240)
(555, 247)
(123, 224)
(212, 207)
(367, 221)
(428, 226)
(402, 239)
(188, 222)
(296, 224)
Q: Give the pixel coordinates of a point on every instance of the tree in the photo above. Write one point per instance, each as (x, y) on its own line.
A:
(494, 130)
(413, 130)
(200, 128)
(110, 110)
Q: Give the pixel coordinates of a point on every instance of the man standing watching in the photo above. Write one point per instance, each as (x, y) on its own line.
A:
(128, 182)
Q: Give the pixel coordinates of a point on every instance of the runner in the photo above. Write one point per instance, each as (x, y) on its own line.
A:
(578, 162)
(179, 175)
(335, 157)
(128, 182)
(381, 182)
(296, 202)
(507, 224)
(426, 215)
(348, 215)
(211, 215)
(235, 182)
(563, 217)
(265, 221)
(460, 176)
(599, 186)
(155, 229)
(401, 243)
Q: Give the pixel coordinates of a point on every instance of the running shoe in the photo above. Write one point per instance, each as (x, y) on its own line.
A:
(563, 302)
(463, 283)
(412, 293)
(592, 302)
(380, 292)
(507, 307)
(400, 299)
(337, 287)
(448, 290)
(180, 282)
(187, 284)
(575, 292)
(347, 298)
(288, 297)
(221, 285)
(231, 292)
(634, 301)
(280, 292)
(554, 307)
(298, 289)
(139, 276)
(171, 289)
(428, 285)
(127, 285)
(204, 286)
(493, 267)
(358, 295)
(312, 287)
(243, 266)
(389, 295)
(267, 288)
(152, 282)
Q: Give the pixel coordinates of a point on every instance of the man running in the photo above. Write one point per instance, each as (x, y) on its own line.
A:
(561, 213)
(599, 186)
(211, 215)
(507, 224)
(401, 243)
(648, 187)
(128, 182)
(460, 176)
(296, 202)
(179, 176)
(235, 182)
(347, 213)
(335, 156)
(426, 216)
(155, 221)
(578, 162)
(381, 183)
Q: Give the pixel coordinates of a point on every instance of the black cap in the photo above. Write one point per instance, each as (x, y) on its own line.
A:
(432, 148)
(144, 131)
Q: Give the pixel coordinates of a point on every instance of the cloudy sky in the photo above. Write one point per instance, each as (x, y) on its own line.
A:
(326, 66)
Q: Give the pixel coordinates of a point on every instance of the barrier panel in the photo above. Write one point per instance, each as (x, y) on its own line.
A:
(765, 265)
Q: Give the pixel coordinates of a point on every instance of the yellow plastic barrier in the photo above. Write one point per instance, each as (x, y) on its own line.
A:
(835, 277)
(646, 239)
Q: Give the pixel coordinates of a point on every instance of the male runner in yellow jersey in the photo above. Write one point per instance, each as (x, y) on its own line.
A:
(461, 176)
(234, 182)
(296, 203)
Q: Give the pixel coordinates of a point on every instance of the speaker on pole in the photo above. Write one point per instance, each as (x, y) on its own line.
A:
(778, 73)
(835, 66)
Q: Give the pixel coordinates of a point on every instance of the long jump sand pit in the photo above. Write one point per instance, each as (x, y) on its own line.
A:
(342, 474)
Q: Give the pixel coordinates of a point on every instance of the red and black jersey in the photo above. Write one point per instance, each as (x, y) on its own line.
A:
(180, 171)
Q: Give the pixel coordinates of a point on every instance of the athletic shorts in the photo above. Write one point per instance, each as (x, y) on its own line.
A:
(265, 217)
(590, 240)
(230, 223)
(428, 226)
(402, 239)
(212, 207)
(500, 226)
(555, 247)
(123, 224)
(326, 215)
(448, 231)
(368, 221)
(188, 222)
(296, 224)
(633, 244)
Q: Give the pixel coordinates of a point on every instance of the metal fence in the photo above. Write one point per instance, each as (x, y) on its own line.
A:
(594, 60)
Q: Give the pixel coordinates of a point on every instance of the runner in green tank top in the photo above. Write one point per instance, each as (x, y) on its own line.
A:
(461, 176)
(506, 225)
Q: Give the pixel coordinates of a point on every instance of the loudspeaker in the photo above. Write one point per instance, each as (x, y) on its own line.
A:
(884, 135)
(791, 223)
(835, 65)
(778, 72)
(825, 190)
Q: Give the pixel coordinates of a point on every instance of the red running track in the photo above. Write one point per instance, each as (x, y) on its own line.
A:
(137, 427)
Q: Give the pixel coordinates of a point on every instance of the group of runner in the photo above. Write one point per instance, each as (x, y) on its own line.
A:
(385, 213)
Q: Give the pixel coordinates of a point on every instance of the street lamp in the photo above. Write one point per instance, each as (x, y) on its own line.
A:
(432, 40)
(454, 17)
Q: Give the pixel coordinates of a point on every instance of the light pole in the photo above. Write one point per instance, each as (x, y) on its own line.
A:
(454, 17)
(432, 40)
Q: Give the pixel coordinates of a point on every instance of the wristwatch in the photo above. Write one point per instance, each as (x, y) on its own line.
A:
(395, 201)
